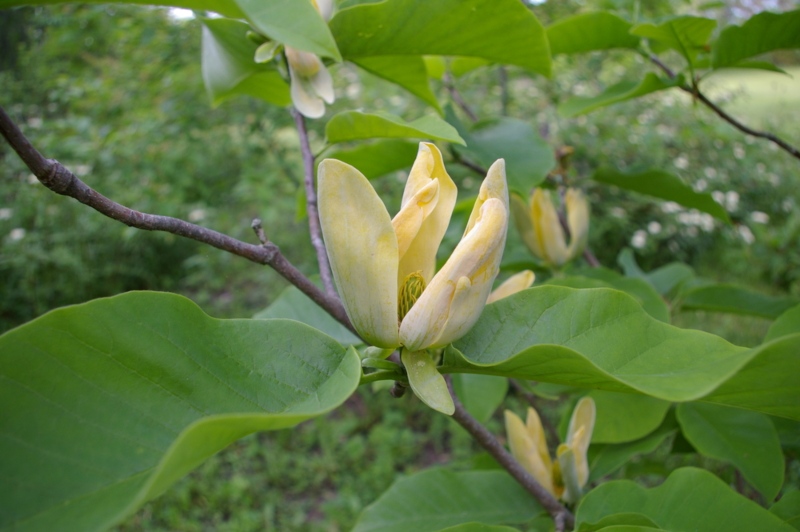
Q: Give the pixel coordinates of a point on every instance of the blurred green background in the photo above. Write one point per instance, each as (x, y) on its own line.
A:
(115, 94)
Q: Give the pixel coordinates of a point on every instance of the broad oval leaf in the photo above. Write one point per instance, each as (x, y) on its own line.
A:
(438, 498)
(407, 71)
(229, 68)
(786, 324)
(108, 403)
(378, 158)
(296, 23)
(355, 125)
(625, 417)
(663, 185)
(762, 33)
(685, 34)
(588, 32)
(622, 91)
(747, 440)
(501, 31)
(735, 300)
(478, 527)
(227, 8)
(601, 338)
(690, 499)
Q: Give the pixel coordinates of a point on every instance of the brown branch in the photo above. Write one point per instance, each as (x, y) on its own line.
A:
(311, 205)
(60, 180)
(456, 97)
(486, 439)
(695, 92)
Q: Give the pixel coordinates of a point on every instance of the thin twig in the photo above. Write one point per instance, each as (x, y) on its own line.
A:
(695, 92)
(311, 205)
(456, 97)
(59, 179)
(486, 439)
(502, 74)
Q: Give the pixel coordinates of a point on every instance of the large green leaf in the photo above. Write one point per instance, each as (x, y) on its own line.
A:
(229, 68)
(478, 527)
(788, 508)
(747, 440)
(293, 304)
(625, 417)
(502, 31)
(765, 32)
(588, 32)
(686, 35)
(439, 498)
(355, 125)
(480, 394)
(106, 404)
(407, 71)
(735, 300)
(378, 158)
(690, 499)
(622, 91)
(663, 185)
(528, 157)
(601, 338)
(787, 323)
(223, 7)
(295, 23)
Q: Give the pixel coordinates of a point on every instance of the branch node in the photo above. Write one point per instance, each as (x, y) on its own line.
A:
(258, 229)
(58, 178)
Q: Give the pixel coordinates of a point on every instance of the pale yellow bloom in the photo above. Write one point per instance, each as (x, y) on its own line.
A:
(512, 285)
(311, 83)
(541, 230)
(385, 268)
(566, 477)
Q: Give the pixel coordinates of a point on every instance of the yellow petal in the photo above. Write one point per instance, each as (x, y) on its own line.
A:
(421, 251)
(362, 248)
(577, 221)
(493, 186)
(512, 285)
(579, 435)
(548, 229)
(526, 452)
(533, 424)
(524, 224)
(325, 8)
(322, 83)
(303, 97)
(568, 468)
(413, 214)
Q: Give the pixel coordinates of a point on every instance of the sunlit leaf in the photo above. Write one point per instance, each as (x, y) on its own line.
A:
(355, 125)
(108, 403)
(787, 323)
(625, 90)
(378, 158)
(685, 34)
(227, 8)
(662, 185)
(587, 32)
(762, 33)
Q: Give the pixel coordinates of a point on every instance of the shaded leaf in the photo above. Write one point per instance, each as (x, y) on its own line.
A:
(622, 91)
(295, 23)
(745, 439)
(736, 300)
(627, 522)
(690, 499)
(355, 125)
(625, 417)
(785, 324)
(480, 394)
(762, 33)
(588, 32)
(229, 69)
(407, 71)
(603, 339)
(662, 185)
(439, 498)
(686, 35)
(501, 31)
(378, 158)
(108, 403)
(788, 508)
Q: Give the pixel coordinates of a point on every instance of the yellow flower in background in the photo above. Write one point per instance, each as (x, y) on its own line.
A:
(565, 477)
(541, 230)
(512, 285)
(311, 83)
(384, 268)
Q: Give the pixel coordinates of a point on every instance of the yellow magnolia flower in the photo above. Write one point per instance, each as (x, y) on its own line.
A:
(540, 229)
(311, 83)
(512, 285)
(384, 268)
(565, 477)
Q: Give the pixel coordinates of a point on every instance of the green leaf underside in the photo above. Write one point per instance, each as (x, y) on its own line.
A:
(765, 32)
(747, 440)
(378, 158)
(438, 498)
(735, 300)
(426, 381)
(480, 394)
(528, 157)
(622, 91)
(690, 499)
(603, 339)
(295, 23)
(108, 403)
(406, 71)
(662, 185)
(227, 8)
(355, 125)
(788, 508)
(292, 304)
(786, 324)
(686, 35)
(625, 417)
(501, 31)
(229, 69)
(588, 32)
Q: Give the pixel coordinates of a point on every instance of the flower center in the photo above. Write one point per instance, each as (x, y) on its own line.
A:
(410, 290)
